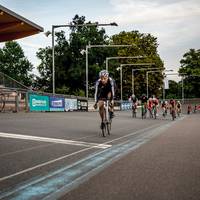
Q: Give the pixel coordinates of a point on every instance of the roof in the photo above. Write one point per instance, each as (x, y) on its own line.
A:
(14, 26)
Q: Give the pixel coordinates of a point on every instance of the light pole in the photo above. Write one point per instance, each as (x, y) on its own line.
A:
(182, 90)
(121, 57)
(133, 70)
(86, 60)
(130, 64)
(68, 25)
(153, 72)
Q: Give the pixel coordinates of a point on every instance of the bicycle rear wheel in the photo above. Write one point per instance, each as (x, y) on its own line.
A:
(173, 114)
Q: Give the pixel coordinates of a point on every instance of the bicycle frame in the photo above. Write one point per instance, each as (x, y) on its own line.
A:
(106, 121)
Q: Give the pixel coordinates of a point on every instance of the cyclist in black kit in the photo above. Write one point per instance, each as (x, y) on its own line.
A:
(104, 90)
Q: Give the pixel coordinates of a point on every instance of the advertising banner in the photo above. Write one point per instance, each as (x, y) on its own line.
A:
(57, 104)
(126, 106)
(82, 105)
(70, 104)
(38, 102)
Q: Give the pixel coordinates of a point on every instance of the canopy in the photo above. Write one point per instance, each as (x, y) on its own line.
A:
(14, 26)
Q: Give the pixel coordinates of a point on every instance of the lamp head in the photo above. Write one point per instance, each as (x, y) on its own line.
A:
(47, 33)
(113, 24)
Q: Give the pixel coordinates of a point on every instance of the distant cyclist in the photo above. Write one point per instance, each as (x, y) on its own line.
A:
(144, 100)
(104, 89)
(155, 103)
(172, 104)
(134, 100)
(178, 108)
(134, 104)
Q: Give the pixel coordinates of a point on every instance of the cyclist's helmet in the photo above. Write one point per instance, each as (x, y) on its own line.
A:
(133, 96)
(103, 73)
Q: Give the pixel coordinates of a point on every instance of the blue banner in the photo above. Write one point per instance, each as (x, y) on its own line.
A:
(126, 106)
(57, 104)
(38, 102)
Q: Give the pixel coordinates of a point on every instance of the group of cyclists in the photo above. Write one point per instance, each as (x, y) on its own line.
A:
(152, 105)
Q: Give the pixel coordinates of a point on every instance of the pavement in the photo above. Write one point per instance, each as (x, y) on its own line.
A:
(165, 168)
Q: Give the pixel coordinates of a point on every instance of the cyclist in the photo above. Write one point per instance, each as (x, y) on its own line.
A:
(155, 106)
(164, 108)
(150, 107)
(172, 104)
(104, 89)
(178, 107)
(144, 105)
(134, 103)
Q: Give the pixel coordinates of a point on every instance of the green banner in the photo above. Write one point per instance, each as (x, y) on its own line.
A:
(38, 102)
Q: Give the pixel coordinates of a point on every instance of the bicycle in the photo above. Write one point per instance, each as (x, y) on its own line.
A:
(173, 113)
(107, 121)
(154, 111)
(178, 112)
(144, 111)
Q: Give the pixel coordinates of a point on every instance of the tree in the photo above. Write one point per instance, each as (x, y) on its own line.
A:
(174, 91)
(190, 67)
(70, 58)
(14, 63)
(143, 45)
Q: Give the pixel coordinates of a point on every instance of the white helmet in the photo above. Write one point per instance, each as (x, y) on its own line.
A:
(103, 73)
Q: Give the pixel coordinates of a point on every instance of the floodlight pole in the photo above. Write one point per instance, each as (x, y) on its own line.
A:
(130, 64)
(53, 48)
(121, 57)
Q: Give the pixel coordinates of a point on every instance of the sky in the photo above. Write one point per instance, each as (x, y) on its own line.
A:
(175, 23)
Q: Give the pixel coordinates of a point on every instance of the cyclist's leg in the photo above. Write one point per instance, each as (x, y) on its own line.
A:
(101, 109)
(111, 106)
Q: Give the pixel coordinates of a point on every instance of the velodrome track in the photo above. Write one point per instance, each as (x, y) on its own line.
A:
(46, 155)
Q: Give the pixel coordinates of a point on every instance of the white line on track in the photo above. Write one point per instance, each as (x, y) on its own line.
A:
(54, 140)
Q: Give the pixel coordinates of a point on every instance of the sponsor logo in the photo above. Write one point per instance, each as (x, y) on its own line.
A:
(57, 103)
(37, 102)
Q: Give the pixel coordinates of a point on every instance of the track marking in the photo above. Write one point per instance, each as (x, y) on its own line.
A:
(54, 140)
(68, 155)
(43, 164)
(24, 150)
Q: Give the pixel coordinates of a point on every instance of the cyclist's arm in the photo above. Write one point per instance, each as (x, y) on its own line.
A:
(112, 88)
(96, 92)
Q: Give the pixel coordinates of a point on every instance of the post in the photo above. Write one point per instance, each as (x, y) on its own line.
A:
(182, 91)
(133, 92)
(53, 61)
(164, 88)
(107, 64)
(163, 91)
(147, 85)
(121, 83)
(86, 71)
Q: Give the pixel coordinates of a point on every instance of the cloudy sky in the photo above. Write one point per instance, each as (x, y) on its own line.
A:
(174, 22)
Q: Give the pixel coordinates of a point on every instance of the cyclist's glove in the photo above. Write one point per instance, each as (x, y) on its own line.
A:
(95, 106)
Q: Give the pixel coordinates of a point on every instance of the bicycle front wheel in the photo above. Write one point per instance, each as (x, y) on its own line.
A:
(108, 127)
(103, 129)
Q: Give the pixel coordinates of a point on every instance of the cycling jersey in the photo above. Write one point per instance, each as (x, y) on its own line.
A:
(102, 90)
(144, 99)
